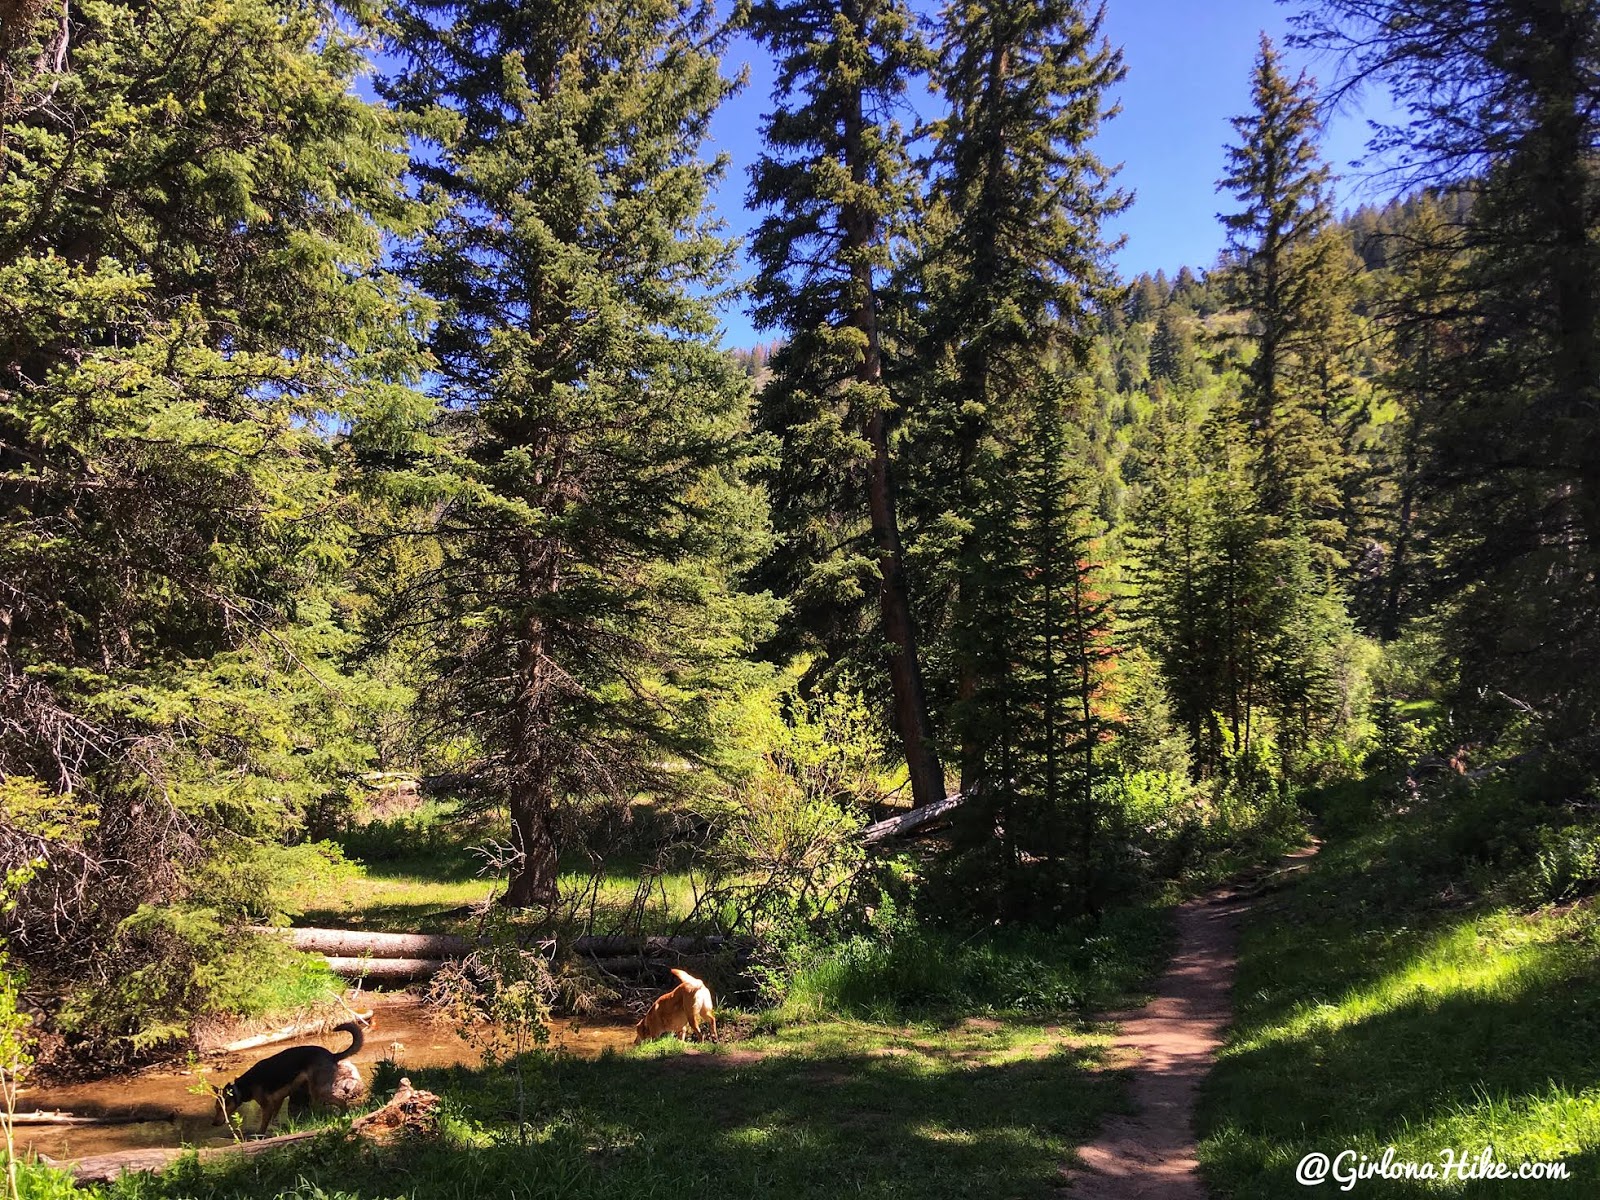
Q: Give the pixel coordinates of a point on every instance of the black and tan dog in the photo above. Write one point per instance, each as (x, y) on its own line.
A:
(272, 1079)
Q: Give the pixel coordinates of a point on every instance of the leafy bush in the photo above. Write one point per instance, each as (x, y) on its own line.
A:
(429, 829)
(39, 1182)
(264, 882)
(178, 961)
(902, 968)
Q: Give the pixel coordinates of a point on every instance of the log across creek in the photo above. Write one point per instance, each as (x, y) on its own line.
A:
(401, 958)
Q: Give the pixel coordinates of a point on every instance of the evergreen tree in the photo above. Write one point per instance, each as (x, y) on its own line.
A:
(593, 506)
(836, 176)
(1042, 707)
(1170, 549)
(190, 222)
(1503, 102)
(1285, 276)
(1019, 266)
(1421, 292)
(1171, 348)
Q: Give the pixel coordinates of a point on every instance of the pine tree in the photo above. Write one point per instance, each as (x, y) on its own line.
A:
(1171, 349)
(191, 218)
(1285, 277)
(589, 426)
(836, 176)
(1503, 108)
(1042, 708)
(1018, 269)
(1420, 293)
(1170, 556)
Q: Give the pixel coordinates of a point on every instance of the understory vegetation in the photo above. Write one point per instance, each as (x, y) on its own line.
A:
(388, 540)
(1429, 984)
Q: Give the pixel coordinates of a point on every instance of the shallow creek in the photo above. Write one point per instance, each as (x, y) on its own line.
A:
(186, 1115)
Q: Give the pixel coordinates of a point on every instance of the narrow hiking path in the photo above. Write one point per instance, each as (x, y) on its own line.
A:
(1151, 1153)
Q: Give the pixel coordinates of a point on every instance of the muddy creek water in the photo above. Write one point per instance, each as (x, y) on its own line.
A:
(185, 1115)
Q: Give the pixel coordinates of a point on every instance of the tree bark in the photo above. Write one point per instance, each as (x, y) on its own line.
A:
(923, 818)
(384, 970)
(532, 882)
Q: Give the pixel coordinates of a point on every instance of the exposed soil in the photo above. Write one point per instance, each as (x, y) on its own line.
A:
(1172, 1041)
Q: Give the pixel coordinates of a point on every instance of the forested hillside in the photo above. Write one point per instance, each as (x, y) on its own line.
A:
(375, 488)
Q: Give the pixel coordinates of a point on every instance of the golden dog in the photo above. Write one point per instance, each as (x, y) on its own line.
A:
(678, 1011)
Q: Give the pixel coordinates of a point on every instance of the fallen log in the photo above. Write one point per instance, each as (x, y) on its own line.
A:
(918, 818)
(135, 1117)
(363, 943)
(104, 1168)
(384, 970)
(408, 1108)
(303, 1029)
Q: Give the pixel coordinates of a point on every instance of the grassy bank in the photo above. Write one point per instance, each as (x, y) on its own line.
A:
(843, 1109)
(1407, 992)
(977, 1074)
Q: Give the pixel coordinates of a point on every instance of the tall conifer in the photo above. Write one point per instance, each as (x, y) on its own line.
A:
(191, 216)
(1018, 266)
(836, 179)
(589, 424)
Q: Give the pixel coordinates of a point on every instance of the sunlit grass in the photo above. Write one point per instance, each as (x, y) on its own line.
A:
(928, 1110)
(419, 871)
(1374, 1013)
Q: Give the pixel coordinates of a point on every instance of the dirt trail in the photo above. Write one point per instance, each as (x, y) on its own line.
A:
(1151, 1155)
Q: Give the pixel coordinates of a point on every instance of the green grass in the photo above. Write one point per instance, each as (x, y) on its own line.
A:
(1390, 999)
(413, 871)
(839, 1108)
(928, 1100)
(920, 970)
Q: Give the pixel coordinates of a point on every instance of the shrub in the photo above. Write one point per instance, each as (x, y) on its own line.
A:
(903, 969)
(169, 963)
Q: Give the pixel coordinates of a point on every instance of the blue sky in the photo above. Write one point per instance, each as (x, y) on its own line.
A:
(1188, 71)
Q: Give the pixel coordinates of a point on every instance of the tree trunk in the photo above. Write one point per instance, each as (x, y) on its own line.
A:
(359, 943)
(904, 665)
(532, 883)
(383, 970)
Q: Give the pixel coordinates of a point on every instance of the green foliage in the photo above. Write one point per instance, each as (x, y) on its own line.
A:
(785, 850)
(1501, 300)
(1040, 717)
(265, 882)
(192, 210)
(1286, 275)
(180, 960)
(836, 179)
(39, 1182)
(903, 968)
(585, 489)
(1416, 935)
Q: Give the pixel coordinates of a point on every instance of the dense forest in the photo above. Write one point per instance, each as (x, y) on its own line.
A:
(374, 481)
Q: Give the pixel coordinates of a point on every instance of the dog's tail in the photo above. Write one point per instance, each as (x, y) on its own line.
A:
(357, 1039)
(685, 977)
